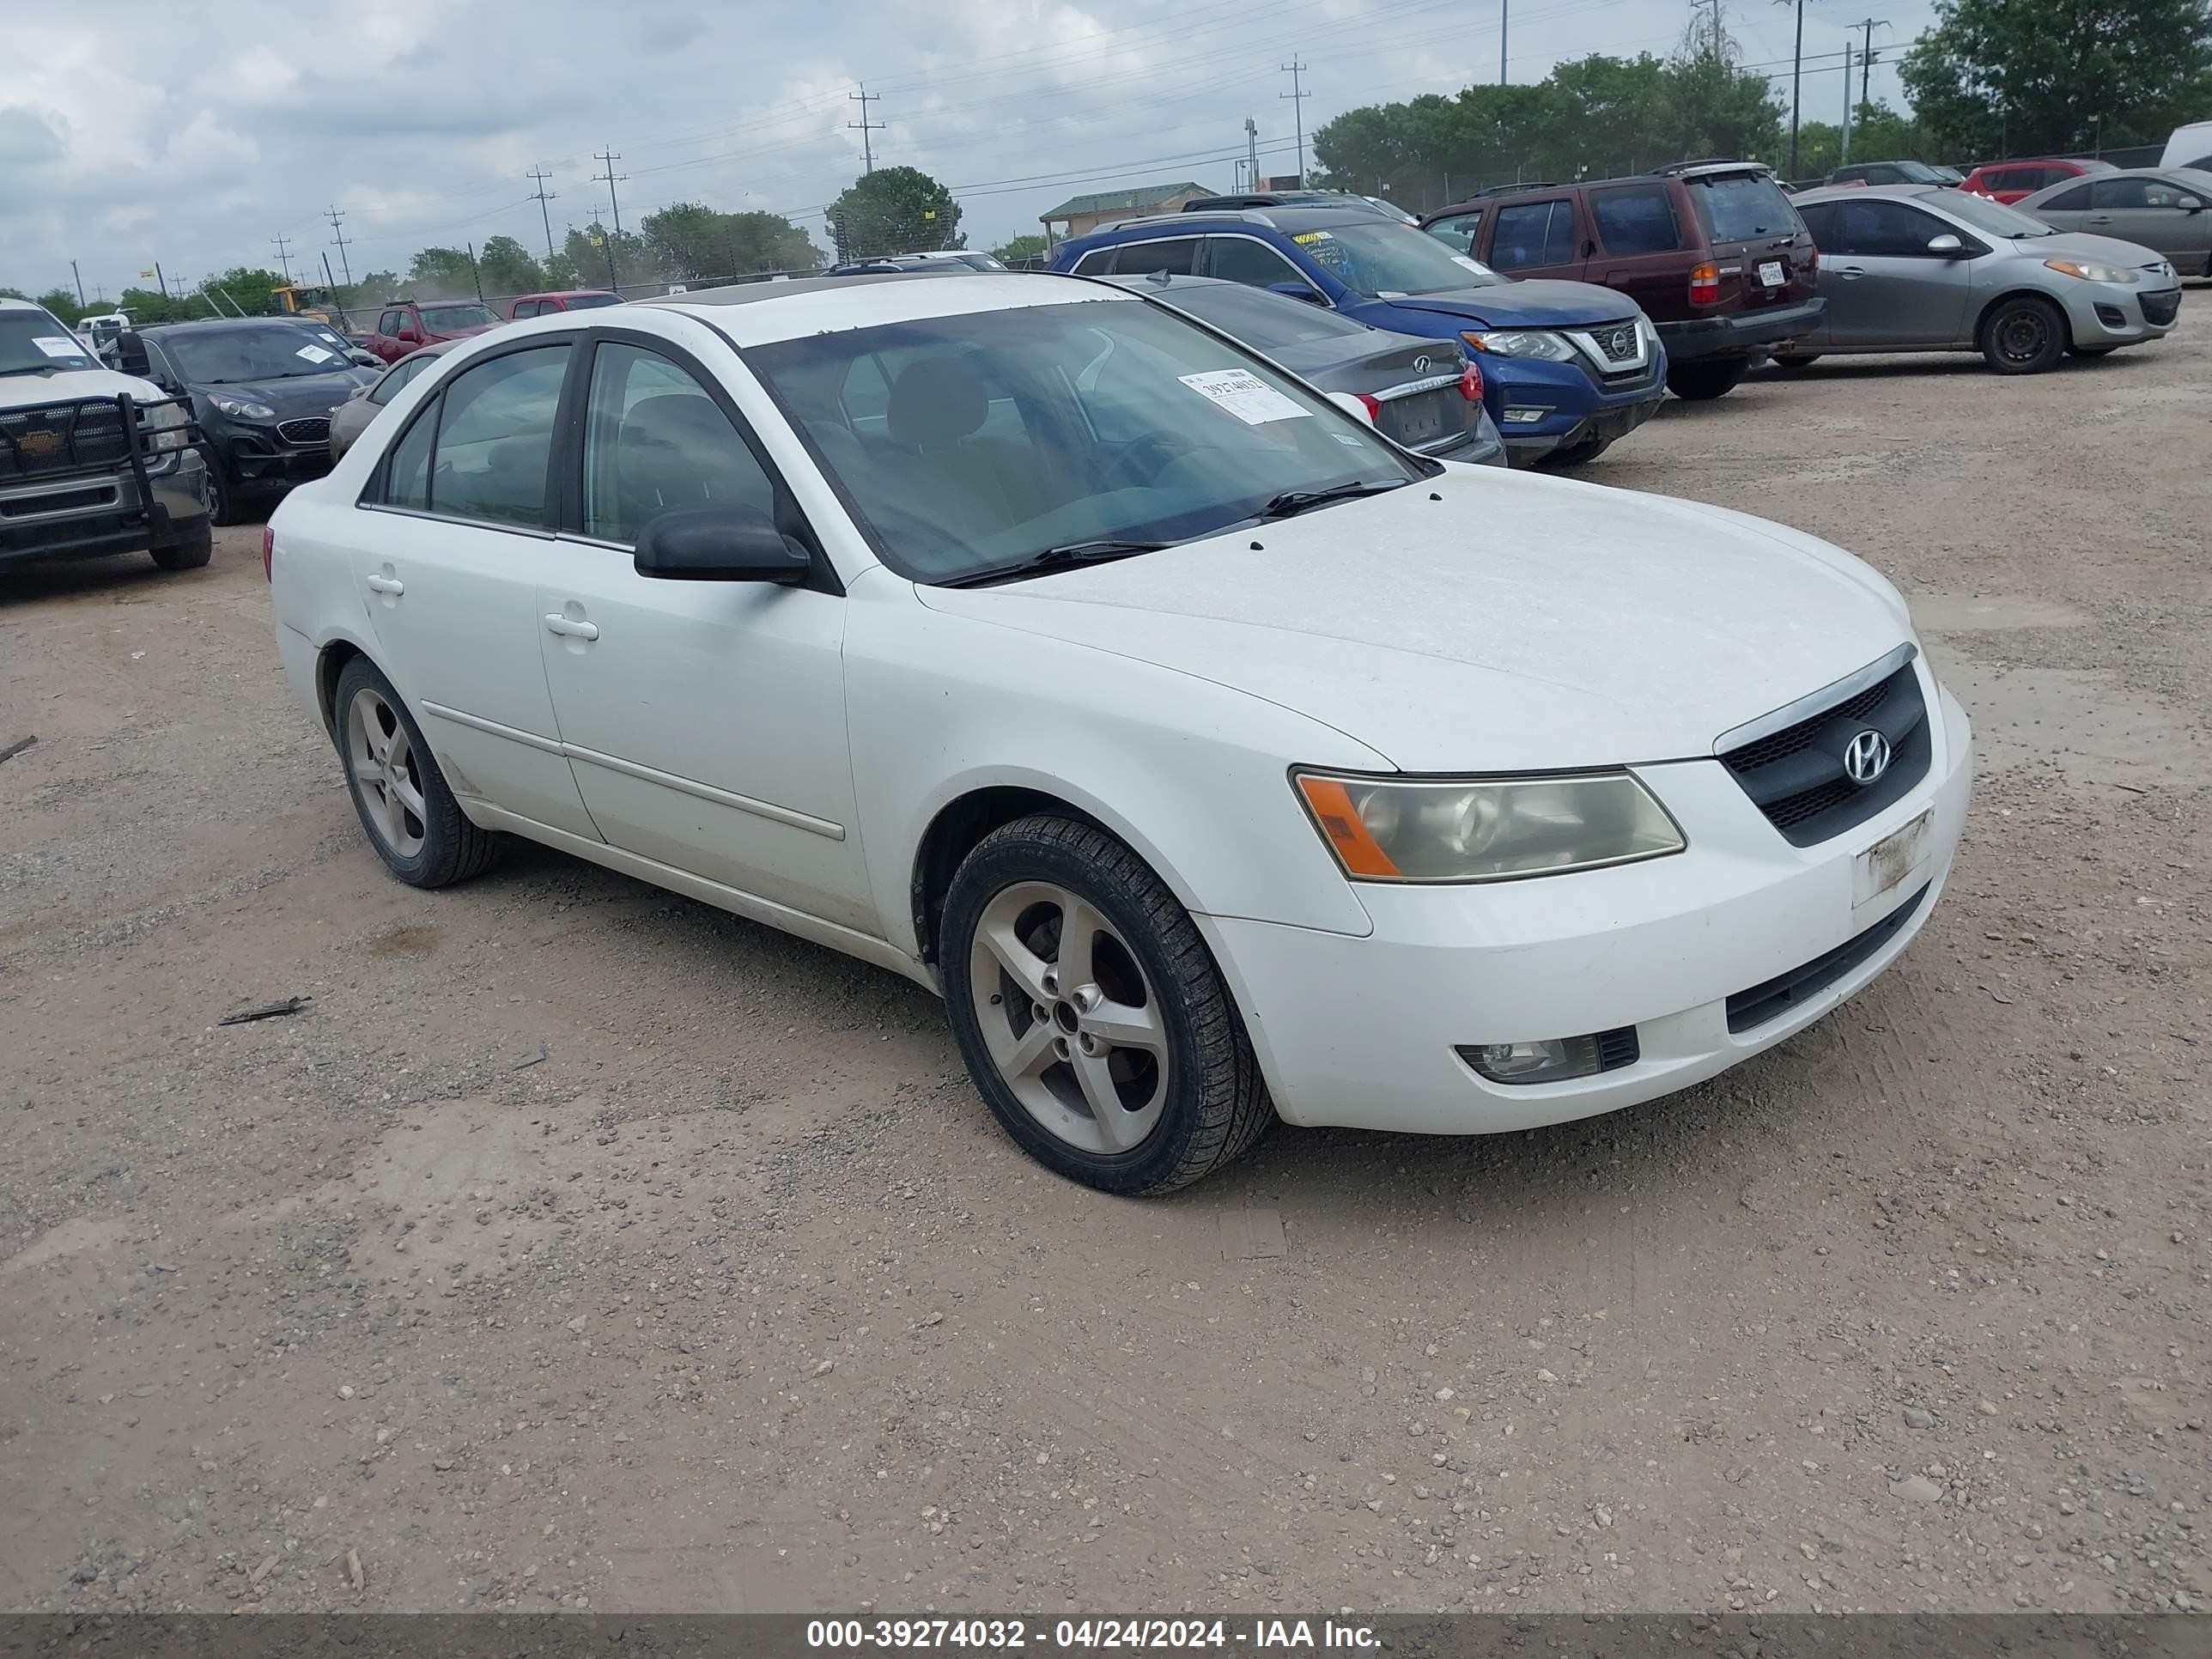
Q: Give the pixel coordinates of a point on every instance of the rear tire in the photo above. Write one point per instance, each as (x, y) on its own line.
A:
(2092, 351)
(1135, 1076)
(1706, 379)
(1581, 455)
(406, 809)
(2023, 334)
(1797, 362)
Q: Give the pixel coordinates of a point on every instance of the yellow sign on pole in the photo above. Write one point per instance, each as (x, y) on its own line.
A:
(145, 273)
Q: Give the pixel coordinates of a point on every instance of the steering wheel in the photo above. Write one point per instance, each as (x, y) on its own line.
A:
(1141, 460)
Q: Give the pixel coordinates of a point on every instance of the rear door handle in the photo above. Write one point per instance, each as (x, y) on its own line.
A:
(570, 627)
(391, 584)
(2100, 218)
(1850, 273)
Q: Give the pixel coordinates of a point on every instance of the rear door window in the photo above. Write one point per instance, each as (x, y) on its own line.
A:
(1742, 207)
(1524, 236)
(1636, 219)
(1175, 257)
(1248, 260)
(495, 438)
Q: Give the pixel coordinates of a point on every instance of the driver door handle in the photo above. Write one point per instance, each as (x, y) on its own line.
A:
(1850, 273)
(2100, 218)
(569, 627)
(391, 584)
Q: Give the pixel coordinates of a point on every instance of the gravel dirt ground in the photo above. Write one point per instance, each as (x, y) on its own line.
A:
(576, 1244)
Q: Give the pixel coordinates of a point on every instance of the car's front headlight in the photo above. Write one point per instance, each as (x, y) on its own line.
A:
(2090, 272)
(244, 409)
(1536, 343)
(1486, 828)
(165, 427)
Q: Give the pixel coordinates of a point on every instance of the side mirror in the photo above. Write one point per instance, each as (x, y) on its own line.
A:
(361, 359)
(1947, 247)
(1350, 403)
(1295, 291)
(407, 332)
(721, 544)
(130, 356)
(2189, 204)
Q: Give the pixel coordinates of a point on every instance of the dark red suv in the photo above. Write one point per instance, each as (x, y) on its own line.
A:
(1712, 251)
(405, 325)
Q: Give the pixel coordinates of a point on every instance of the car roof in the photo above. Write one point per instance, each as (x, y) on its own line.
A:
(757, 314)
(549, 294)
(1303, 215)
(201, 324)
(9, 302)
(1938, 193)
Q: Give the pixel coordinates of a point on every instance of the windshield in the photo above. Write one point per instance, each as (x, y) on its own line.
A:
(1995, 217)
(37, 342)
(593, 301)
(1743, 207)
(968, 443)
(1918, 173)
(265, 351)
(447, 319)
(1384, 260)
(1263, 321)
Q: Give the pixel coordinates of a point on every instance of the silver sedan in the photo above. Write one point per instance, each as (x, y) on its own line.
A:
(1922, 268)
(2167, 208)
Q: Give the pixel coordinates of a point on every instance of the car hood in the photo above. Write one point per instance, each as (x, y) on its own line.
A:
(1521, 305)
(2075, 244)
(1487, 620)
(293, 396)
(28, 390)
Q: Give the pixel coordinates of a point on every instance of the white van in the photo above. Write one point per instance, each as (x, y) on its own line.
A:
(2189, 146)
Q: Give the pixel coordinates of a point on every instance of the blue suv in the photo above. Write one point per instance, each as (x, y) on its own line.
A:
(1567, 368)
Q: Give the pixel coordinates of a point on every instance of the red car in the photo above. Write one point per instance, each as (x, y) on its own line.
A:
(570, 298)
(2008, 181)
(405, 325)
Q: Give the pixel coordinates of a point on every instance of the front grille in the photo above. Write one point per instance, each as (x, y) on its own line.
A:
(58, 501)
(2161, 308)
(313, 429)
(1619, 344)
(1796, 776)
(68, 437)
(1773, 997)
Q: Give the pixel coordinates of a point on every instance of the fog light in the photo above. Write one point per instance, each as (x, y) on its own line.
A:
(1553, 1060)
(1525, 415)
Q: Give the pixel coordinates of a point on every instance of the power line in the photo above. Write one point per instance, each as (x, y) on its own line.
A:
(284, 256)
(538, 176)
(1866, 56)
(1297, 94)
(339, 236)
(864, 126)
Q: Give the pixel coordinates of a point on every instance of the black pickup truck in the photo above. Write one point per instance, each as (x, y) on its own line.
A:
(92, 462)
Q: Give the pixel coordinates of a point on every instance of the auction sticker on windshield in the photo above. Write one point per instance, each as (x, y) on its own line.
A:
(314, 353)
(1244, 395)
(55, 345)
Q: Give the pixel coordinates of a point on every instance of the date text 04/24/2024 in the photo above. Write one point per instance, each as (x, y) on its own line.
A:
(1291, 1634)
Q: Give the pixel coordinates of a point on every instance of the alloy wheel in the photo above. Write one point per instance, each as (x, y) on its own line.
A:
(1069, 1017)
(385, 774)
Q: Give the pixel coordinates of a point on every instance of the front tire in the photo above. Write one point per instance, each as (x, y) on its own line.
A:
(222, 504)
(406, 807)
(2092, 351)
(1090, 1014)
(2024, 335)
(1801, 360)
(1709, 378)
(1561, 461)
(189, 554)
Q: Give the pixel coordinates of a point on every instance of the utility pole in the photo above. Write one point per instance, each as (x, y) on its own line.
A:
(539, 175)
(1796, 81)
(80, 282)
(284, 256)
(865, 127)
(1251, 153)
(339, 236)
(1505, 13)
(1866, 51)
(1847, 99)
(610, 179)
(1297, 94)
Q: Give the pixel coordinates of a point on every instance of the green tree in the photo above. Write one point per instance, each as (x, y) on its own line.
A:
(508, 268)
(894, 210)
(1016, 250)
(249, 289)
(1878, 133)
(61, 301)
(689, 242)
(602, 257)
(444, 273)
(2031, 77)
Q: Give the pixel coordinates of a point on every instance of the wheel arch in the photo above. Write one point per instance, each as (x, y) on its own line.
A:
(2023, 292)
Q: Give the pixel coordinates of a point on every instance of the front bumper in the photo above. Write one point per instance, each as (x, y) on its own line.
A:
(1741, 334)
(1539, 407)
(94, 516)
(2115, 313)
(259, 461)
(1363, 1031)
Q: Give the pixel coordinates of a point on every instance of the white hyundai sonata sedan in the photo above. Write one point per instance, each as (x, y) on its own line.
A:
(1214, 757)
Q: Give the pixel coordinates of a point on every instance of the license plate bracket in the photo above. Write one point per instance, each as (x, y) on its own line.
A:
(1887, 864)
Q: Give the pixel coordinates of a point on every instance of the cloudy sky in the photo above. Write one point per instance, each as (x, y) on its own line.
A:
(193, 132)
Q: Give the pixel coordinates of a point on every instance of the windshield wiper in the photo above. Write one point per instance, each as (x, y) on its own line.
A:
(1069, 556)
(29, 368)
(1292, 503)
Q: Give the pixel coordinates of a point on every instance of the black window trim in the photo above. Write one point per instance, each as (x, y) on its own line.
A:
(569, 444)
(1195, 237)
(430, 409)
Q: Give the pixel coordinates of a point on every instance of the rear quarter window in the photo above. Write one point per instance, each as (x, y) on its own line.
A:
(1743, 207)
(1636, 219)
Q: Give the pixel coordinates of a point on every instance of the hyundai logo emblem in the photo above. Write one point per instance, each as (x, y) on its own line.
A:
(1420, 365)
(1866, 757)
